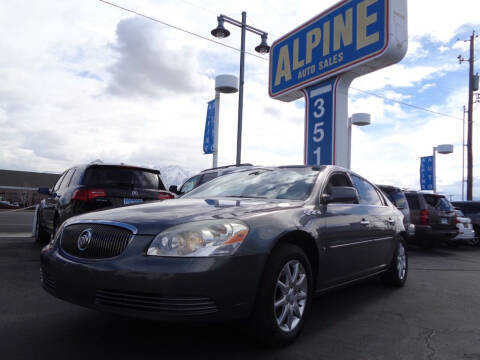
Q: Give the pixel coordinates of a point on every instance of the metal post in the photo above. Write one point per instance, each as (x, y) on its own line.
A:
(470, 121)
(463, 155)
(434, 170)
(216, 129)
(349, 143)
(240, 92)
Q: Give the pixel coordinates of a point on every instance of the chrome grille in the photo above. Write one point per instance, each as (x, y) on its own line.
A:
(106, 241)
(155, 303)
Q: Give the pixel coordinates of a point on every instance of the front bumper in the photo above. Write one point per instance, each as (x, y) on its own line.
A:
(160, 288)
(465, 235)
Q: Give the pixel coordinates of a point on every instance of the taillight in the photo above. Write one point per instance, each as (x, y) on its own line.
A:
(424, 217)
(88, 194)
(165, 196)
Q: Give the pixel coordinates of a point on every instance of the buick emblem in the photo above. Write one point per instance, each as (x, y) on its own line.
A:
(134, 193)
(84, 239)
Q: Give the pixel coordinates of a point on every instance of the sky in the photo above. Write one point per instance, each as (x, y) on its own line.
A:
(83, 80)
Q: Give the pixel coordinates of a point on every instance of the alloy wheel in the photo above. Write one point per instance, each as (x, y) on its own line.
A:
(401, 261)
(290, 298)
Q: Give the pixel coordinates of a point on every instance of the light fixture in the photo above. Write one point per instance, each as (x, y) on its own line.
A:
(220, 31)
(263, 48)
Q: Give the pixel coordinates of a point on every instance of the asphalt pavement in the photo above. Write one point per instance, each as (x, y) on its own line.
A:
(435, 316)
(16, 221)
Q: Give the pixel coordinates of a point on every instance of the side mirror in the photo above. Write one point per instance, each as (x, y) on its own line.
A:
(342, 194)
(44, 191)
(173, 189)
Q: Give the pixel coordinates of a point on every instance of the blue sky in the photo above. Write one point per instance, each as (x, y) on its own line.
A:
(81, 81)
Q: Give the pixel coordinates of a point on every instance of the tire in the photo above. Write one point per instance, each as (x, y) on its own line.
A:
(476, 240)
(282, 305)
(41, 235)
(398, 271)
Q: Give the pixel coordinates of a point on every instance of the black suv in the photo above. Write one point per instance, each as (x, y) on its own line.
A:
(92, 187)
(434, 218)
(206, 176)
(471, 209)
(398, 198)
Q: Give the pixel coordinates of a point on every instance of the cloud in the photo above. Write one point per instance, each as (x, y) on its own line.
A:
(147, 66)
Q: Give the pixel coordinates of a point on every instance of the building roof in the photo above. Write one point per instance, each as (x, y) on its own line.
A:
(27, 179)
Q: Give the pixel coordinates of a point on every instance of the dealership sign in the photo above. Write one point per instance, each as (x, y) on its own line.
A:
(352, 38)
(427, 173)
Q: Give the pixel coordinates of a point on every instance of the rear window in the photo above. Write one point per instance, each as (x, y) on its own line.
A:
(122, 177)
(468, 208)
(412, 200)
(438, 202)
(397, 197)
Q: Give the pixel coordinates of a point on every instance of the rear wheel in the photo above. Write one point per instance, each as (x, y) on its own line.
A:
(476, 240)
(283, 297)
(41, 236)
(398, 271)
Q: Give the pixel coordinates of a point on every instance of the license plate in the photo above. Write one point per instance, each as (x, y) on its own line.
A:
(444, 221)
(132, 201)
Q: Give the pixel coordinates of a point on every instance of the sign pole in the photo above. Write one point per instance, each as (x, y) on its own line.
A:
(434, 170)
(216, 129)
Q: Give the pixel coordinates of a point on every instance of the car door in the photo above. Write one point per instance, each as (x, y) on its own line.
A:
(379, 219)
(342, 232)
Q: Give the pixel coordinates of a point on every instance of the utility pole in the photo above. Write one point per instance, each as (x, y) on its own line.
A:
(471, 61)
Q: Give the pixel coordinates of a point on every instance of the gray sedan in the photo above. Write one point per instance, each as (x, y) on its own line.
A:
(254, 244)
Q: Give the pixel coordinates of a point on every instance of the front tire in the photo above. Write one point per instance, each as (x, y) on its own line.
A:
(398, 271)
(41, 236)
(283, 297)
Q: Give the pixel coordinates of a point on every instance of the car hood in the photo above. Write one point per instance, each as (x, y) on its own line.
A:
(151, 218)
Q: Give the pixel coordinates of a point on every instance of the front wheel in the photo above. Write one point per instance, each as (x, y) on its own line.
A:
(398, 271)
(283, 297)
(41, 236)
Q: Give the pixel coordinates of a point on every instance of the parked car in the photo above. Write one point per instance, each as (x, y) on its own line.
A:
(398, 198)
(434, 218)
(466, 234)
(254, 244)
(206, 176)
(4, 204)
(471, 209)
(91, 187)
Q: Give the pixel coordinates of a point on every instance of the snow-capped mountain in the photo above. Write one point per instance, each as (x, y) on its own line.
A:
(174, 175)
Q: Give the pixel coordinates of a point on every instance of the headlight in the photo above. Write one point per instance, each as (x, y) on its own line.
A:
(202, 238)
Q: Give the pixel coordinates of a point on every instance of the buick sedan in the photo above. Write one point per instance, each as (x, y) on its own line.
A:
(256, 244)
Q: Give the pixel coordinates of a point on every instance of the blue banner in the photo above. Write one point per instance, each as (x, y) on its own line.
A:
(338, 39)
(319, 128)
(209, 128)
(427, 171)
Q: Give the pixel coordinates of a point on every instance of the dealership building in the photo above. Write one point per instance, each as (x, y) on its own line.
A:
(22, 186)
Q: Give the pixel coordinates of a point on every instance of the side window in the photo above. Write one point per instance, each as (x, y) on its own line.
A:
(337, 179)
(413, 202)
(207, 177)
(59, 182)
(189, 185)
(366, 192)
(67, 179)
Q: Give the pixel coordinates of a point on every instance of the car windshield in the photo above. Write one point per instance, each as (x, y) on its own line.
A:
(269, 183)
(122, 177)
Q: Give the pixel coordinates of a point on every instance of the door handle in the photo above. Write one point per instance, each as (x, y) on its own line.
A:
(391, 221)
(364, 222)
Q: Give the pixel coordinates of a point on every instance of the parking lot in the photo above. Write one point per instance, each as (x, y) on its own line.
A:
(435, 316)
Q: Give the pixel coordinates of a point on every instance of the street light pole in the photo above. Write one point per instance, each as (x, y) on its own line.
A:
(442, 149)
(240, 92)
(220, 32)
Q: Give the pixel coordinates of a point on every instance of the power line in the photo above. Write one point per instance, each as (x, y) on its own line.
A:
(409, 105)
(179, 28)
(265, 59)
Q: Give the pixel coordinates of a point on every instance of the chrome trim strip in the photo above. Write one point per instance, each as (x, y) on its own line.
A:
(360, 242)
(132, 228)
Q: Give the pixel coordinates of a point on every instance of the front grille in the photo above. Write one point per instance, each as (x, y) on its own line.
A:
(106, 241)
(155, 303)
